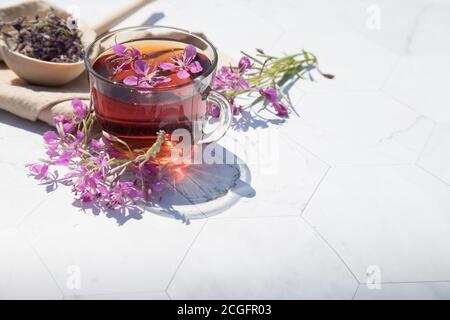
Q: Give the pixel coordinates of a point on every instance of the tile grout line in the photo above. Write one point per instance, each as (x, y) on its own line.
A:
(406, 105)
(391, 72)
(298, 146)
(315, 191)
(356, 291)
(30, 213)
(425, 145)
(43, 263)
(332, 248)
(414, 28)
(406, 164)
(432, 174)
(184, 257)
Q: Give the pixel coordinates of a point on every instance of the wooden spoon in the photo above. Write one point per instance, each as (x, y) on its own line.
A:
(56, 74)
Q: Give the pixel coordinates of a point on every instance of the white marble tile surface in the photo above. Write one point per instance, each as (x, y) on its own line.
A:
(366, 164)
(435, 158)
(14, 186)
(358, 129)
(420, 83)
(429, 29)
(140, 255)
(395, 218)
(23, 274)
(123, 296)
(267, 258)
(283, 175)
(357, 63)
(405, 291)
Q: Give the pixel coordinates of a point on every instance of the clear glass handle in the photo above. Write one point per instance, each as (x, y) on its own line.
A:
(225, 117)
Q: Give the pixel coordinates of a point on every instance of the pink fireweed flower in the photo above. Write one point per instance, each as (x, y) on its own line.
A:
(66, 123)
(124, 57)
(122, 192)
(244, 64)
(89, 185)
(39, 170)
(236, 110)
(271, 96)
(110, 149)
(102, 163)
(51, 137)
(91, 164)
(74, 143)
(52, 151)
(80, 109)
(214, 110)
(96, 145)
(184, 65)
(147, 77)
(150, 168)
(64, 158)
(227, 79)
(158, 186)
(281, 109)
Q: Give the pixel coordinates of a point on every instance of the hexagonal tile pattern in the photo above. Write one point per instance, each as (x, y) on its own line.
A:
(141, 255)
(357, 63)
(267, 258)
(22, 273)
(283, 175)
(406, 291)
(407, 84)
(435, 158)
(359, 180)
(394, 218)
(358, 129)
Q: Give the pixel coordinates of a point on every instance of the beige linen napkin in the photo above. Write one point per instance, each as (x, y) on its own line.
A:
(35, 102)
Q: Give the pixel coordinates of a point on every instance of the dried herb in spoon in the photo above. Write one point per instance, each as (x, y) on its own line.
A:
(51, 38)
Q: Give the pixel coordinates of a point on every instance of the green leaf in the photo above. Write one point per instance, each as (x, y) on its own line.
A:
(156, 147)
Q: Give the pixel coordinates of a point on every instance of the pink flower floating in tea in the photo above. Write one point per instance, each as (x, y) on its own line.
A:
(96, 169)
(123, 57)
(146, 76)
(184, 65)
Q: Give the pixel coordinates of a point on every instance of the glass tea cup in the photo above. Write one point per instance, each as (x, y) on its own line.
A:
(135, 114)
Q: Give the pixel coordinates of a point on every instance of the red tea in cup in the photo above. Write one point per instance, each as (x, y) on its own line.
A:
(136, 113)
